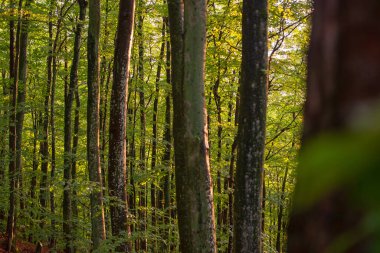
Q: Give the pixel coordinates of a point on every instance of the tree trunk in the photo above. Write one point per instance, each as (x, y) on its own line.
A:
(153, 200)
(343, 85)
(93, 125)
(12, 130)
(281, 212)
(117, 139)
(52, 240)
(18, 68)
(21, 94)
(251, 129)
(69, 97)
(142, 214)
(193, 181)
(44, 145)
(74, 161)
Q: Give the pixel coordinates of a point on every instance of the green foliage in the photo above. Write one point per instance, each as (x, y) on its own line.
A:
(288, 37)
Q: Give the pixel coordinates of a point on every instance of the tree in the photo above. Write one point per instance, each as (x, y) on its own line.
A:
(12, 131)
(251, 129)
(334, 200)
(19, 110)
(194, 192)
(69, 98)
(93, 125)
(118, 115)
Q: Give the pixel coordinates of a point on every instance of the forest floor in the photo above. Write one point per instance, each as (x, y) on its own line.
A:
(22, 246)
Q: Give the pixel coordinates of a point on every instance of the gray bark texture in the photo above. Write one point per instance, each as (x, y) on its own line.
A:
(251, 129)
(194, 193)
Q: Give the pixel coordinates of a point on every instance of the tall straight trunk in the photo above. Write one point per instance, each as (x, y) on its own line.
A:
(166, 182)
(52, 240)
(218, 105)
(131, 161)
(231, 176)
(44, 146)
(280, 214)
(74, 159)
(3, 134)
(21, 94)
(69, 97)
(342, 86)
(193, 181)
(164, 193)
(251, 129)
(98, 232)
(19, 89)
(153, 199)
(141, 83)
(118, 115)
(12, 129)
(103, 131)
(105, 78)
(33, 181)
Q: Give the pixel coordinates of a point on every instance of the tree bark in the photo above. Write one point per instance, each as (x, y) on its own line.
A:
(117, 139)
(44, 145)
(154, 200)
(93, 126)
(12, 130)
(193, 181)
(343, 85)
(281, 212)
(21, 95)
(142, 213)
(69, 97)
(251, 129)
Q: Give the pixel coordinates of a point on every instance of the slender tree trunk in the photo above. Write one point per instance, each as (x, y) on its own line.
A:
(74, 160)
(141, 83)
(251, 130)
(117, 139)
(217, 99)
(69, 97)
(52, 240)
(44, 146)
(132, 114)
(33, 181)
(281, 212)
(166, 159)
(231, 178)
(18, 71)
(166, 183)
(153, 200)
(12, 130)
(193, 181)
(93, 125)
(4, 133)
(21, 94)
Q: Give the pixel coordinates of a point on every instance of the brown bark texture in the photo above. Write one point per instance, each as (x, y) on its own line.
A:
(343, 83)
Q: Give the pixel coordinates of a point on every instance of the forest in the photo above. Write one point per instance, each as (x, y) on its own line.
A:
(189, 126)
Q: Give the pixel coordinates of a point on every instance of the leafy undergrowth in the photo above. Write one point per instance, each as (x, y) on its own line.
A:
(22, 246)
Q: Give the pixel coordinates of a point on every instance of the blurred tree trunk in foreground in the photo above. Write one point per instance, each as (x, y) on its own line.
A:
(343, 85)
